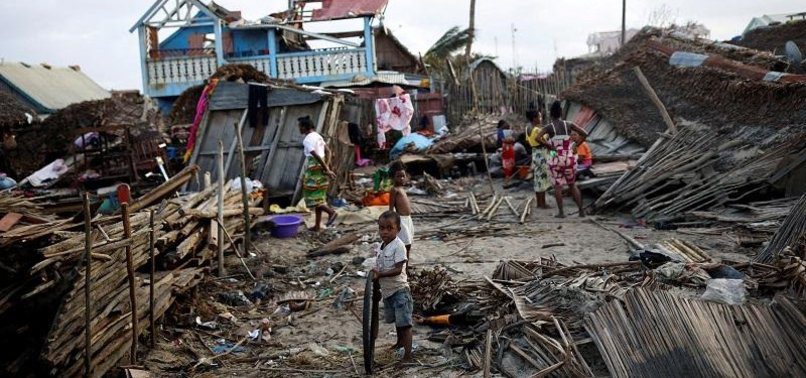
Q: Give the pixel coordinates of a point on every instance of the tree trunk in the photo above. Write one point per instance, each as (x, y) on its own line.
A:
(471, 29)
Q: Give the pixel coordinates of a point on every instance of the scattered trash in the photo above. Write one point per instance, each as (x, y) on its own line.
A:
(345, 349)
(265, 330)
(234, 298)
(282, 310)
(228, 316)
(324, 293)
(209, 325)
(345, 295)
(318, 350)
(724, 290)
(358, 260)
(261, 291)
(224, 346)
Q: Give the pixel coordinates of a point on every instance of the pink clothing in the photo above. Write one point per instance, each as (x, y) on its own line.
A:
(393, 113)
(562, 163)
(201, 107)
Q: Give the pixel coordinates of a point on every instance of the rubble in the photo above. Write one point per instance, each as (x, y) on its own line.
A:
(51, 280)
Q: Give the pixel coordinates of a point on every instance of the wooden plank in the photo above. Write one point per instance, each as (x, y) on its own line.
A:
(655, 100)
(9, 220)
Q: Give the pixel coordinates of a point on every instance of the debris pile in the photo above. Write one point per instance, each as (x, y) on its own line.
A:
(53, 138)
(539, 317)
(707, 95)
(43, 290)
(654, 333)
(773, 38)
(698, 169)
(12, 111)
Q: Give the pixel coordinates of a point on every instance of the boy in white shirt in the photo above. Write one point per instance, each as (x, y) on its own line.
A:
(390, 274)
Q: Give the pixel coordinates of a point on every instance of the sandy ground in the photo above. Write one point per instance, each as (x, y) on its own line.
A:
(324, 341)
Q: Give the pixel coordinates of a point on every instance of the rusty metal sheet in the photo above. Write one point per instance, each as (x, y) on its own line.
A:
(342, 9)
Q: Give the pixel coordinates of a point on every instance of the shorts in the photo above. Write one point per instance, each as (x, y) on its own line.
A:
(406, 233)
(398, 307)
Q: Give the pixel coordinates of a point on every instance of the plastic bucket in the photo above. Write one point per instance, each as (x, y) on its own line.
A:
(285, 226)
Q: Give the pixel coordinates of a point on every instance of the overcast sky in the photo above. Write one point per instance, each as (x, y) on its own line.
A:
(94, 33)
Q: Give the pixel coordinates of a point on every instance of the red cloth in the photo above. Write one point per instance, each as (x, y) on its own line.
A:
(508, 158)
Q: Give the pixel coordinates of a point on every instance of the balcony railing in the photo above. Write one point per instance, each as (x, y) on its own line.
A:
(178, 70)
(304, 67)
(318, 64)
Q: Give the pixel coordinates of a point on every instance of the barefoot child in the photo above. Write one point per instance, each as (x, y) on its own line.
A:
(399, 203)
(390, 274)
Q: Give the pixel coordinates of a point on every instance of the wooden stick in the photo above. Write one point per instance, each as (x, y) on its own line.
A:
(221, 270)
(495, 209)
(526, 210)
(151, 240)
(127, 231)
(489, 207)
(484, 151)
(487, 353)
(235, 248)
(87, 286)
(655, 100)
(509, 204)
(244, 190)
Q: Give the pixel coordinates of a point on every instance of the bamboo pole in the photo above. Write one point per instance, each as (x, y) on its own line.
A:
(151, 240)
(244, 191)
(655, 99)
(221, 173)
(487, 353)
(87, 286)
(127, 231)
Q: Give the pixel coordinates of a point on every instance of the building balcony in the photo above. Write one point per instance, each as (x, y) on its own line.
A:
(171, 72)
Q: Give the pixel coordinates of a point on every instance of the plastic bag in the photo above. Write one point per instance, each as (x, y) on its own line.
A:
(725, 290)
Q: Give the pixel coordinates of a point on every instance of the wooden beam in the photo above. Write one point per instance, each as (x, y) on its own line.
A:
(655, 100)
(318, 36)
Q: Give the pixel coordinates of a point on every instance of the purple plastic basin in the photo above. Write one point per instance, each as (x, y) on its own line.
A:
(285, 226)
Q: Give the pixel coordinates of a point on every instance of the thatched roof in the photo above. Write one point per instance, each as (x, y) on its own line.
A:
(12, 111)
(773, 38)
(706, 95)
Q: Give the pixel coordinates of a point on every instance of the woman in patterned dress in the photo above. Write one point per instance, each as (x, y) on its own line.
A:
(562, 163)
(315, 179)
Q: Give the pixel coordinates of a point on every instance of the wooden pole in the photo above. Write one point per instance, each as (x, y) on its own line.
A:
(623, 21)
(221, 174)
(151, 239)
(244, 192)
(655, 100)
(87, 286)
(484, 151)
(472, 29)
(487, 353)
(127, 231)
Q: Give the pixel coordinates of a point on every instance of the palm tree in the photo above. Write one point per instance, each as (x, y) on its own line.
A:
(452, 41)
(472, 30)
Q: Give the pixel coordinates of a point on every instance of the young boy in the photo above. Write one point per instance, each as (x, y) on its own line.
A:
(390, 274)
(584, 156)
(399, 203)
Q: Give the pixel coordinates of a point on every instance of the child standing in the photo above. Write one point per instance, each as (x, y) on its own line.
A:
(399, 203)
(390, 274)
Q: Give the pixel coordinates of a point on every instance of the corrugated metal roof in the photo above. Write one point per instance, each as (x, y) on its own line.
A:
(51, 88)
(341, 9)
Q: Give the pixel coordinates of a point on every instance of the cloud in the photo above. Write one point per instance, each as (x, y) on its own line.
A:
(94, 33)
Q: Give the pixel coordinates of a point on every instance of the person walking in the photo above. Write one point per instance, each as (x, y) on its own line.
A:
(315, 180)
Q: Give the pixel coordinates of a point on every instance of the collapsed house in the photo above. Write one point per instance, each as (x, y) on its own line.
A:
(271, 144)
(734, 129)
